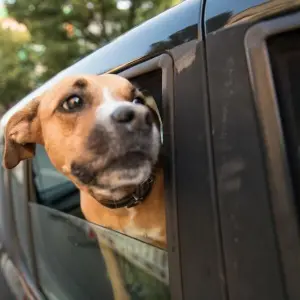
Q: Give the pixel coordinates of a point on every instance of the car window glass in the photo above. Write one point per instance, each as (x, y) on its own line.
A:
(71, 265)
(46, 176)
(53, 188)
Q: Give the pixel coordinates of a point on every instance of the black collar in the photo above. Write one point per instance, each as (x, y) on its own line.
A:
(138, 196)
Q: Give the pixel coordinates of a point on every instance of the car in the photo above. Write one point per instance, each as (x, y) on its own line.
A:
(225, 75)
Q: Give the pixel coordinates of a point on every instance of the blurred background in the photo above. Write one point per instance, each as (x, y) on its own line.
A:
(39, 38)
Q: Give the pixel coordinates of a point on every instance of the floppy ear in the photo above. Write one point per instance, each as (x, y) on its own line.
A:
(150, 102)
(22, 132)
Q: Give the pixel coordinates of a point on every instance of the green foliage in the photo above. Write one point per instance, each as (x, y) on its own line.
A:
(61, 32)
(16, 66)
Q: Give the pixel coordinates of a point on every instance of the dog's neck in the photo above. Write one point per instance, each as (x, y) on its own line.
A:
(148, 215)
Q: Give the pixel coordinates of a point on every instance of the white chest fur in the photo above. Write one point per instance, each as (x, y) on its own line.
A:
(144, 234)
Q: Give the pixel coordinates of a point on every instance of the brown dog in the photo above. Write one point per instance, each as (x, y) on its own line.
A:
(98, 131)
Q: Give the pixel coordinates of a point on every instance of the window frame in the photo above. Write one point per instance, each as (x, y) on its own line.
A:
(277, 167)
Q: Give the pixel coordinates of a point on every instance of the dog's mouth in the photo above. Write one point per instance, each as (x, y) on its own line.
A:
(128, 161)
(122, 177)
(125, 171)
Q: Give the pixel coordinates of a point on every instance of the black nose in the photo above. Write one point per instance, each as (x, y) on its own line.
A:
(123, 114)
(135, 117)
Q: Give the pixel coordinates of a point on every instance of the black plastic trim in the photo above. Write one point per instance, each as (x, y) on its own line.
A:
(202, 274)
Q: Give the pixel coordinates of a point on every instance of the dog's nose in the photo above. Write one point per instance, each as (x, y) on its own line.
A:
(123, 115)
(136, 117)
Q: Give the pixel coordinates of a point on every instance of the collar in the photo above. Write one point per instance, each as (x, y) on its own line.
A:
(137, 197)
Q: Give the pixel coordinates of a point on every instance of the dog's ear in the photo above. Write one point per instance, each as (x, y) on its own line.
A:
(151, 103)
(22, 132)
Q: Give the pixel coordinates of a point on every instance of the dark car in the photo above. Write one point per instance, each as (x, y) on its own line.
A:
(226, 76)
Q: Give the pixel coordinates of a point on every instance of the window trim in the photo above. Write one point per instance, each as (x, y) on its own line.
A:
(278, 173)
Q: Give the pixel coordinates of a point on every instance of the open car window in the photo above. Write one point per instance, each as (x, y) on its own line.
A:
(72, 253)
(71, 264)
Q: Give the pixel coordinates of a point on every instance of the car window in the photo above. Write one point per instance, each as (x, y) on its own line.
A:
(68, 247)
(71, 265)
(285, 60)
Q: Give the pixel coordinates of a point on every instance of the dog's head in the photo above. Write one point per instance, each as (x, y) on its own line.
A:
(97, 130)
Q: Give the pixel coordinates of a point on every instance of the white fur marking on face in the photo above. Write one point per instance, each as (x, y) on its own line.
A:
(109, 105)
(107, 96)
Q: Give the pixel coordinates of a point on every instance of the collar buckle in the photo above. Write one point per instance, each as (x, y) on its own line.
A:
(135, 201)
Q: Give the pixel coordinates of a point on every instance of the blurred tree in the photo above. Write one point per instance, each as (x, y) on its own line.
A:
(17, 62)
(67, 30)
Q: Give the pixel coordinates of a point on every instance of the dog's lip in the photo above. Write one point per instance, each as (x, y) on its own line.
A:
(127, 161)
(132, 160)
(129, 158)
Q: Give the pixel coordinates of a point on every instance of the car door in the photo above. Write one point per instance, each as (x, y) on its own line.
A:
(258, 214)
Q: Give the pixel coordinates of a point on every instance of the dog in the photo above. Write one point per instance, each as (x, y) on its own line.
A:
(100, 132)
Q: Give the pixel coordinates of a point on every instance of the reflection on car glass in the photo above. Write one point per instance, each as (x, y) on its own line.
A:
(143, 267)
(150, 258)
(46, 176)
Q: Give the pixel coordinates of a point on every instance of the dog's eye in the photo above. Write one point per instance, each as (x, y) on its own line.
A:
(73, 103)
(138, 100)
